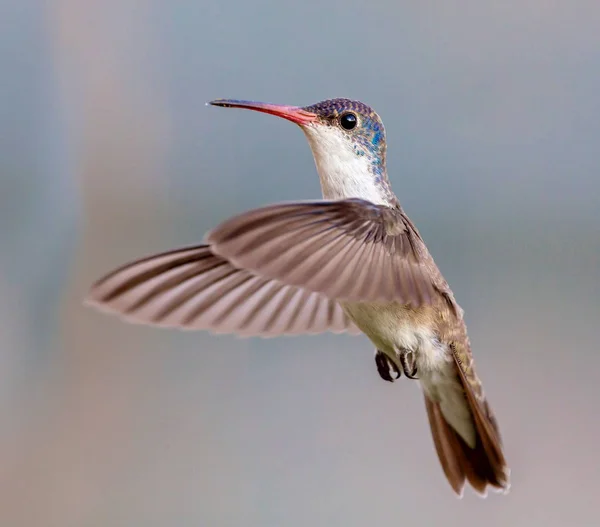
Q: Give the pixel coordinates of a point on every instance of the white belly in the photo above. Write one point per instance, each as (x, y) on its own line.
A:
(392, 328)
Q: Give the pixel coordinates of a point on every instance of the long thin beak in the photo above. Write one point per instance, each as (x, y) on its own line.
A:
(291, 113)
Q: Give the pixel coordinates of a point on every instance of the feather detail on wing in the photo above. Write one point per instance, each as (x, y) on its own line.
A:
(349, 250)
(195, 289)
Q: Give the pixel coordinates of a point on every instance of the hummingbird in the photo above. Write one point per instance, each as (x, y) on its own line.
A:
(352, 262)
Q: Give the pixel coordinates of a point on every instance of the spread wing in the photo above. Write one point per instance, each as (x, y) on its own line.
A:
(347, 249)
(194, 288)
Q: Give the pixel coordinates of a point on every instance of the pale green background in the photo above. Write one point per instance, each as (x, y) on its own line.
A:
(107, 153)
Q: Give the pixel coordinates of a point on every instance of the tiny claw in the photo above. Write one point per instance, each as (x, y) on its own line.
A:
(407, 360)
(385, 367)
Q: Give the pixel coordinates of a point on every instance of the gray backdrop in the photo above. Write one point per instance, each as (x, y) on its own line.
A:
(107, 153)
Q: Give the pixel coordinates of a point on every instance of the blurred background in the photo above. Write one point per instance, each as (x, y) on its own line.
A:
(108, 153)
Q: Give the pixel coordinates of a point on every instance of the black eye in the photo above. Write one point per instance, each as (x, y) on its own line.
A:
(348, 121)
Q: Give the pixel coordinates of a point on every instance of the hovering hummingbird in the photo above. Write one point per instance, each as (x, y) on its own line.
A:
(351, 263)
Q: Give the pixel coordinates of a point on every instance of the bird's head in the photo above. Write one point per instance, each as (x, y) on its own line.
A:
(347, 139)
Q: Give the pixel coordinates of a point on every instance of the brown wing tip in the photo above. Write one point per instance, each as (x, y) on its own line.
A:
(95, 300)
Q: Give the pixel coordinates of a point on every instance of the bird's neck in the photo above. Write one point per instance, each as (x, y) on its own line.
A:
(344, 174)
(342, 182)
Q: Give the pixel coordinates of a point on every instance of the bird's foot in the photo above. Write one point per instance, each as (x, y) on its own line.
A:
(386, 367)
(408, 363)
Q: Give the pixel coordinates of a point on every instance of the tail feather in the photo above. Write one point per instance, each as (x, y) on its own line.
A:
(481, 466)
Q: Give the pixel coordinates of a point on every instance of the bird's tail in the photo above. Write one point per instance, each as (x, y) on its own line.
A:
(482, 466)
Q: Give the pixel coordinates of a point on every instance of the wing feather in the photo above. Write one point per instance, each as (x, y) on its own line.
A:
(194, 288)
(349, 250)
